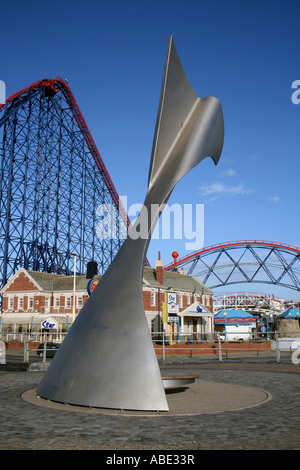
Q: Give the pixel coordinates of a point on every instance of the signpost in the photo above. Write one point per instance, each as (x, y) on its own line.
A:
(48, 324)
(171, 309)
(172, 305)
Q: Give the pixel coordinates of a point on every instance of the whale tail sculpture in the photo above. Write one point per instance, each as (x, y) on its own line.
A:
(107, 359)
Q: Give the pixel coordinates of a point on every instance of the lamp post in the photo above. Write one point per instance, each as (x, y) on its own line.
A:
(31, 326)
(267, 325)
(74, 287)
(225, 315)
(67, 327)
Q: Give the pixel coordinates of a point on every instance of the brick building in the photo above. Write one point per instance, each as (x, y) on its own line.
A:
(31, 297)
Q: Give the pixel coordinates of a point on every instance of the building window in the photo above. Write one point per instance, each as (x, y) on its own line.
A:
(20, 303)
(56, 302)
(180, 301)
(79, 302)
(68, 302)
(30, 302)
(188, 299)
(11, 303)
(152, 299)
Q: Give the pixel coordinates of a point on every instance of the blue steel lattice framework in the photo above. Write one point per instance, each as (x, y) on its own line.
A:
(52, 180)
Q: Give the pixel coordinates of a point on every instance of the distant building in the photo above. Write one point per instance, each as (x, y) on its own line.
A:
(290, 313)
(30, 298)
(288, 323)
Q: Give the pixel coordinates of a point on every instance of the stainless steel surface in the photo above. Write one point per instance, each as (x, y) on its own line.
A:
(178, 382)
(107, 359)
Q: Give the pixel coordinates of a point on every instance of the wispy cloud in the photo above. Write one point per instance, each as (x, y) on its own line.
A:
(221, 189)
(274, 199)
(229, 172)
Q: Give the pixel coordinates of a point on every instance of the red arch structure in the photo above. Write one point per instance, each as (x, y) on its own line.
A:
(243, 261)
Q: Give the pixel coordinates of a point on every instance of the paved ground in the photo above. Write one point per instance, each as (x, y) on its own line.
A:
(274, 424)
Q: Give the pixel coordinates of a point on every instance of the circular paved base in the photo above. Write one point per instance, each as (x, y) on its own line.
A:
(199, 398)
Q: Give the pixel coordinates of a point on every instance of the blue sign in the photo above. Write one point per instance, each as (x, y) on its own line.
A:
(48, 324)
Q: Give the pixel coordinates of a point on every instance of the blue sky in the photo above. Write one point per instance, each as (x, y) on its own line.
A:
(246, 53)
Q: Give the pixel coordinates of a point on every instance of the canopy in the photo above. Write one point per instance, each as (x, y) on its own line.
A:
(290, 313)
(234, 316)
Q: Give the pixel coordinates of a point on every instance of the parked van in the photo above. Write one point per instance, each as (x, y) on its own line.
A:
(238, 333)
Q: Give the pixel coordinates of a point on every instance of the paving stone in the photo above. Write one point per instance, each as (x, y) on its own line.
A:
(273, 424)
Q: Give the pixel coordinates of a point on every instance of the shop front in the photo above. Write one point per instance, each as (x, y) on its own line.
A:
(196, 323)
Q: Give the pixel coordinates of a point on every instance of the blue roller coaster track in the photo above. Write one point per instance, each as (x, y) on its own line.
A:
(52, 179)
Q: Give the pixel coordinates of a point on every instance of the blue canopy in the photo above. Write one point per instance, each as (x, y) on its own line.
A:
(234, 316)
(290, 313)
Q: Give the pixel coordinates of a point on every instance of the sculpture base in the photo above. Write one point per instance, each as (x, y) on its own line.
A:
(201, 397)
(177, 382)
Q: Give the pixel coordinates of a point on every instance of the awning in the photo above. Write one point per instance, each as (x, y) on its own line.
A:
(234, 316)
(290, 313)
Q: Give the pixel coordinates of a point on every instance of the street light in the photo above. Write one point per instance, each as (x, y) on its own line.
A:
(31, 326)
(74, 287)
(267, 322)
(225, 315)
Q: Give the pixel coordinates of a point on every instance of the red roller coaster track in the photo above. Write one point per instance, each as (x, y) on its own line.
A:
(231, 244)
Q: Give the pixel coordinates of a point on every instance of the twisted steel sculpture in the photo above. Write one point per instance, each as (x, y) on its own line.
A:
(107, 359)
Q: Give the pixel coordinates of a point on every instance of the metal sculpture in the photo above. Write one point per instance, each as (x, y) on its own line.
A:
(108, 360)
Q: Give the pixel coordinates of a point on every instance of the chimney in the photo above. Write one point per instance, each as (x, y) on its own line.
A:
(159, 270)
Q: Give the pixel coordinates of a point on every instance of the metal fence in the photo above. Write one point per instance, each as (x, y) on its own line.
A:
(30, 347)
(214, 345)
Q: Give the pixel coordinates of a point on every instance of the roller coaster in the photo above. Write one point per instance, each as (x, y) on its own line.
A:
(243, 261)
(255, 302)
(52, 179)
